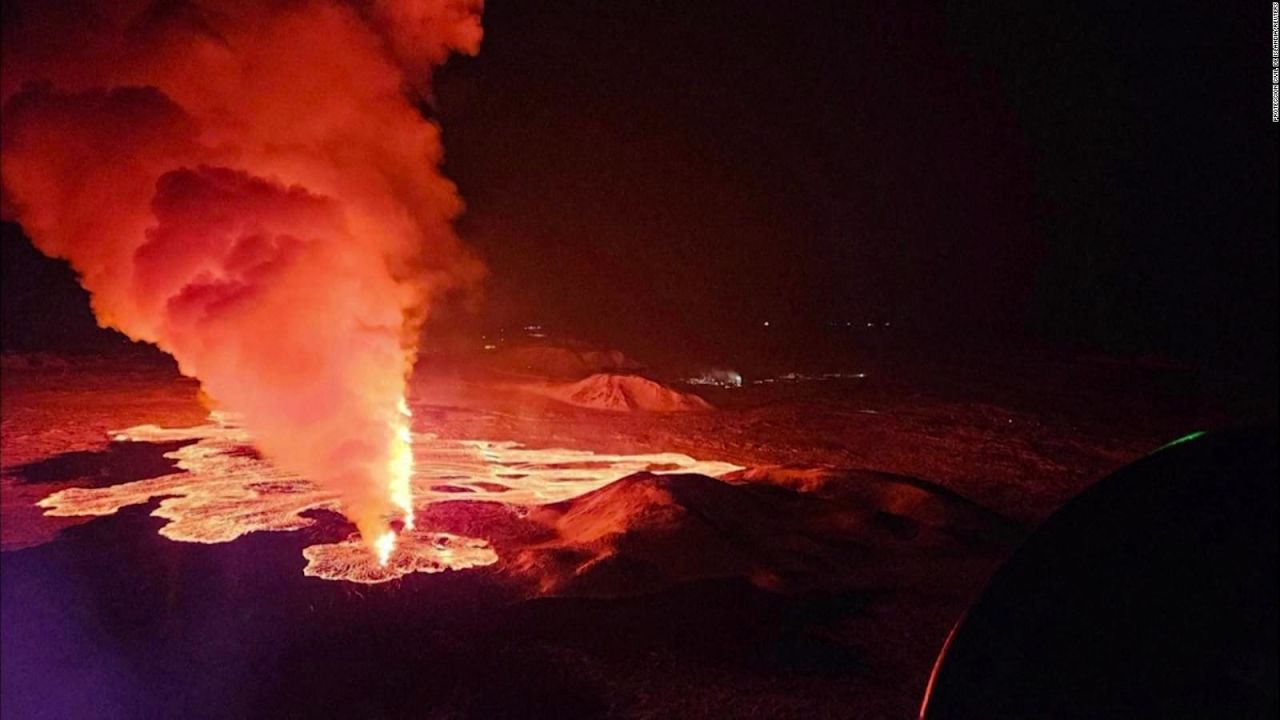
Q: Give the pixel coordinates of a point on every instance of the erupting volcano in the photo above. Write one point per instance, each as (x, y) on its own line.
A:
(252, 188)
(220, 492)
(788, 360)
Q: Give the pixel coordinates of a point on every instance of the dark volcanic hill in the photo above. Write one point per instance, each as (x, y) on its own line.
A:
(649, 531)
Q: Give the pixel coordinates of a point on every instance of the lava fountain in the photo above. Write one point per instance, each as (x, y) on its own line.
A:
(252, 187)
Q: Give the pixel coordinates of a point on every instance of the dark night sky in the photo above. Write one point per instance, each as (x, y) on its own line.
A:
(654, 173)
(689, 169)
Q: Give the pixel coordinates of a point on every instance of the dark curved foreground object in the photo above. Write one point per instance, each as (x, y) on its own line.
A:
(1153, 594)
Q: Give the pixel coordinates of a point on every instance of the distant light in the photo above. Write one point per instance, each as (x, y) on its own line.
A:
(720, 378)
(871, 324)
(766, 323)
(1184, 439)
(490, 347)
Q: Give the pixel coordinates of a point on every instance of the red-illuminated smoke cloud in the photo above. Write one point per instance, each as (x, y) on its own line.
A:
(249, 185)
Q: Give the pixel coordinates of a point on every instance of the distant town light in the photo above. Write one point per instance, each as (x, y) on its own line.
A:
(721, 378)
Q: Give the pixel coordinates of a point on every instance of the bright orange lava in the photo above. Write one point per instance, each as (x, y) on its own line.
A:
(400, 473)
(222, 491)
(416, 552)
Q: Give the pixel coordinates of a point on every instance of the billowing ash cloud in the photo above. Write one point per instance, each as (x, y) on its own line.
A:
(249, 185)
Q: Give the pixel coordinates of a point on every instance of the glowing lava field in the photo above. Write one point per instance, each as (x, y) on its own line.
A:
(783, 552)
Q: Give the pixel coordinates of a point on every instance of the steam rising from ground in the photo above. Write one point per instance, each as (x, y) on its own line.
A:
(249, 185)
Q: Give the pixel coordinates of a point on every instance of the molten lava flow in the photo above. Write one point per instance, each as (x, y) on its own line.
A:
(421, 552)
(252, 187)
(222, 491)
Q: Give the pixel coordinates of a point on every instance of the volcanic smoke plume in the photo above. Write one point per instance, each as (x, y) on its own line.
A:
(249, 185)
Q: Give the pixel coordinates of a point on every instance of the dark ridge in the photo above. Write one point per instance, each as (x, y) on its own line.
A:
(120, 462)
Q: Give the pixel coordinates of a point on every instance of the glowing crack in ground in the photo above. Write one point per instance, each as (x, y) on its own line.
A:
(223, 490)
